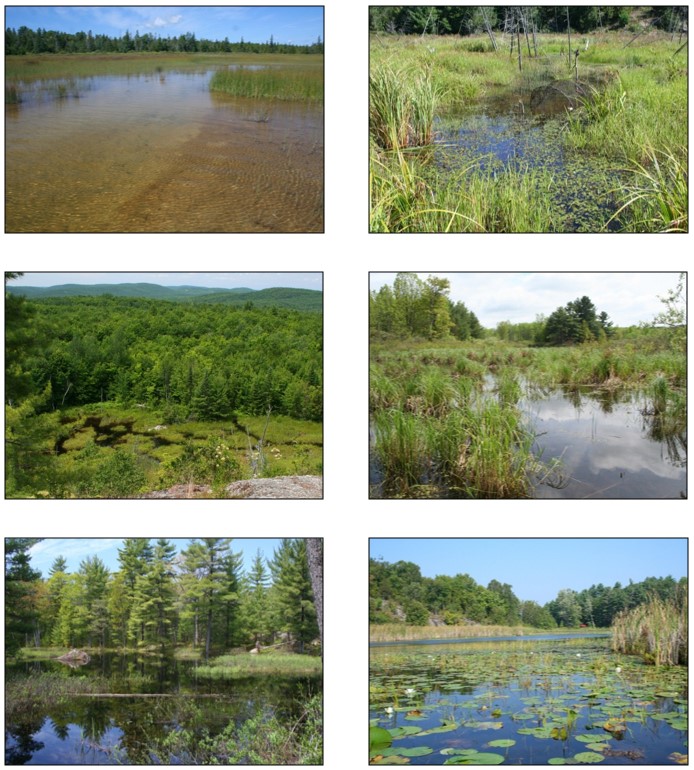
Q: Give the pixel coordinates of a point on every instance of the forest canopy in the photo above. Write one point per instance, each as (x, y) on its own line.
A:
(470, 19)
(161, 598)
(399, 593)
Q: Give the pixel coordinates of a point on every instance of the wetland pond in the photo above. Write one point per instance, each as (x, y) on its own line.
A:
(505, 132)
(159, 152)
(117, 729)
(606, 445)
(570, 700)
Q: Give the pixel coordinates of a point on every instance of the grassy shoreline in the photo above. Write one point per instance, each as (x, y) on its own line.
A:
(396, 632)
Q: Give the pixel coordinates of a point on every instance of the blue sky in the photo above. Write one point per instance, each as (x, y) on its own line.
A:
(538, 569)
(299, 25)
(627, 298)
(209, 280)
(44, 553)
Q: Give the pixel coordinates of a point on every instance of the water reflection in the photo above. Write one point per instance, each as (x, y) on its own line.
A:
(608, 447)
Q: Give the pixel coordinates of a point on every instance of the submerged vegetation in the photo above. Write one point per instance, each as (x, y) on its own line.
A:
(613, 118)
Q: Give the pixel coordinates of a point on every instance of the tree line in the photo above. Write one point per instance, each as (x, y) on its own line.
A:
(413, 307)
(159, 598)
(23, 41)
(399, 593)
(469, 20)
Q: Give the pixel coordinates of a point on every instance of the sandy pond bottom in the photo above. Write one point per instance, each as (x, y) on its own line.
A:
(524, 703)
(160, 153)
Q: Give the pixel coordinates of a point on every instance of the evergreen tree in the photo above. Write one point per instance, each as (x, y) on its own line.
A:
(292, 596)
(20, 583)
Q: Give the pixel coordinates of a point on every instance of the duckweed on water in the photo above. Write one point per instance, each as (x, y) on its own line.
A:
(525, 703)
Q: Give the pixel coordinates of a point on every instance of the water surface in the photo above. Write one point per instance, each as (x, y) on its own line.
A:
(160, 153)
(123, 730)
(543, 701)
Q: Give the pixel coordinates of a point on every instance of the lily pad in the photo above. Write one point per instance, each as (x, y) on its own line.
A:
(415, 751)
(680, 759)
(502, 743)
(560, 761)
(458, 751)
(588, 757)
(402, 732)
(380, 759)
(481, 758)
(484, 725)
(586, 738)
(446, 727)
(379, 738)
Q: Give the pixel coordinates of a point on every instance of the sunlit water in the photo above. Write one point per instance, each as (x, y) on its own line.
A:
(542, 700)
(160, 153)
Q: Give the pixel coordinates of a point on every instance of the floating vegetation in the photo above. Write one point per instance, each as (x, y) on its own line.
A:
(525, 703)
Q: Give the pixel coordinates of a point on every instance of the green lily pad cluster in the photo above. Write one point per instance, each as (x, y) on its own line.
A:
(564, 706)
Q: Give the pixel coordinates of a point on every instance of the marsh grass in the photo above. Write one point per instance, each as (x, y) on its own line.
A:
(439, 426)
(283, 83)
(631, 119)
(656, 199)
(657, 631)
(35, 692)
(262, 664)
(394, 632)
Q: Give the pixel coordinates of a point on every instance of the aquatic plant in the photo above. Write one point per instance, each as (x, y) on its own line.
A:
(285, 83)
(657, 631)
(656, 195)
(401, 107)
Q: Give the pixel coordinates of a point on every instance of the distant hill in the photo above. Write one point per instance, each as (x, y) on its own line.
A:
(298, 299)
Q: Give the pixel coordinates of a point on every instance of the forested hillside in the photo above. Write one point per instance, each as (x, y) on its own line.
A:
(200, 597)
(399, 593)
(82, 372)
(298, 299)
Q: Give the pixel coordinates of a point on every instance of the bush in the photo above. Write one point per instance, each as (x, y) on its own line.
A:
(118, 476)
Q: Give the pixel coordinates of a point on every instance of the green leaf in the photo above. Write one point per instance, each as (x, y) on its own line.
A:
(559, 761)
(379, 738)
(480, 758)
(402, 732)
(502, 743)
(587, 738)
(484, 725)
(380, 759)
(444, 728)
(415, 751)
(588, 757)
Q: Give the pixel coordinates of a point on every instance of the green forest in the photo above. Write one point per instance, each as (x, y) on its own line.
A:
(25, 41)
(200, 598)
(398, 593)
(470, 19)
(108, 396)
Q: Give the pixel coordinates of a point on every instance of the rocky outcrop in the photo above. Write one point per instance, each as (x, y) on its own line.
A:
(278, 488)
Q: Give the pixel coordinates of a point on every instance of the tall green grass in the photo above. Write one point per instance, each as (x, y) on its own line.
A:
(284, 83)
(401, 107)
(657, 631)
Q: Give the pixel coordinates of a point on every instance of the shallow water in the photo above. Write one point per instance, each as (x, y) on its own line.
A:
(160, 153)
(544, 701)
(121, 730)
(506, 134)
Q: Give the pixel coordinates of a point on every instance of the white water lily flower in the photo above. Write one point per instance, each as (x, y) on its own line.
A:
(578, 654)
(618, 669)
(388, 710)
(409, 691)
